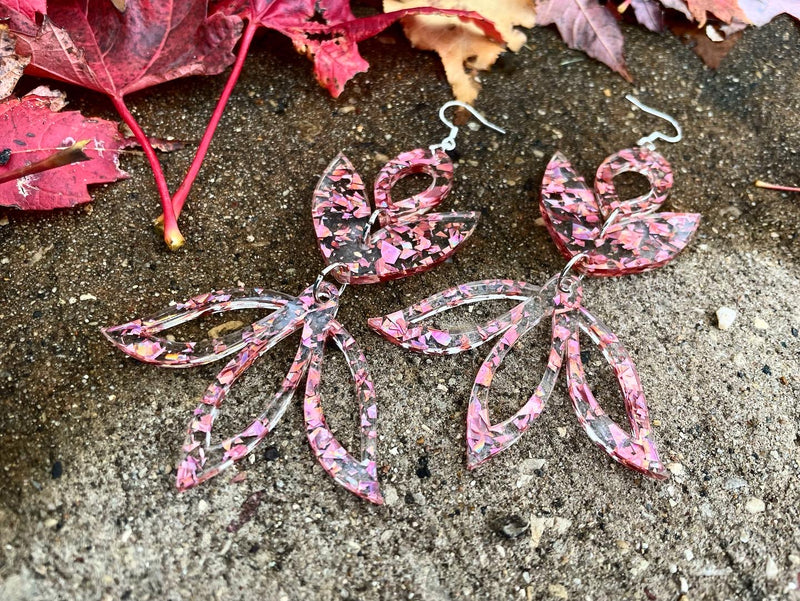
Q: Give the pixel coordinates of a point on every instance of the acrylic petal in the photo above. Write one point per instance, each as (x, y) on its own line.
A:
(569, 208)
(485, 439)
(635, 449)
(137, 338)
(420, 160)
(638, 160)
(359, 477)
(340, 209)
(641, 243)
(204, 458)
(408, 247)
(406, 328)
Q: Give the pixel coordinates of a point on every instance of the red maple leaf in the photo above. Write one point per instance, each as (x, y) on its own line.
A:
(21, 14)
(33, 132)
(93, 44)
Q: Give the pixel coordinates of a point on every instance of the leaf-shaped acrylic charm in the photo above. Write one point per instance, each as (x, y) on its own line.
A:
(204, 459)
(359, 477)
(138, 338)
(643, 160)
(641, 244)
(408, 242)
(638, 241)
(484, 438)
(636, 449)
(406, 328)
(436, 164)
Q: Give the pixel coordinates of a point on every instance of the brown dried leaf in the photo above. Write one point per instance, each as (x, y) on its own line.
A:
(11, 65)
(708, 50)
(463, 48)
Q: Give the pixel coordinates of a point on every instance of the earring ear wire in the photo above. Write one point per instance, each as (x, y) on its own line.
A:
(449, 143)
(656, 135)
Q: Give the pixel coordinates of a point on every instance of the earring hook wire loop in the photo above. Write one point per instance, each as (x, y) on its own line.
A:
(449, 143)
(656, 135)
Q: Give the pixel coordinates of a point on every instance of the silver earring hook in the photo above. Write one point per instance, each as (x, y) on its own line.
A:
(656, 135)
(449, 143)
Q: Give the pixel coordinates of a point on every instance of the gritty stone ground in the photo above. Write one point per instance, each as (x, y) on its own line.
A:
(88, 438)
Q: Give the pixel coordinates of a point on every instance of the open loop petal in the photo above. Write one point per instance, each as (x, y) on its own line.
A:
(436, 164)
(407, 328)
(484, 438)
(635, 449)
(138, 338)
(640, 159)
(358, 476)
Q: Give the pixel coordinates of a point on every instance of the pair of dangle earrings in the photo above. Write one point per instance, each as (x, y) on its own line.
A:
(598, 234)
(359, 246)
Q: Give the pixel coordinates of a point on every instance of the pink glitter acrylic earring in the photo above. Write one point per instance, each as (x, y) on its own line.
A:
(600, 235)
(359, 246)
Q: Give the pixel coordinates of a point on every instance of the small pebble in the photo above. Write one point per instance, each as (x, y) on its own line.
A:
(202, 506)
(56, 470)
(50, 523)
(676, 468)
(755, 505)
(390, 496)
(771, 571)
(725, 317)
(511, 526)
(271, 453)
(760, 324)
(558, 591)
(688, 554)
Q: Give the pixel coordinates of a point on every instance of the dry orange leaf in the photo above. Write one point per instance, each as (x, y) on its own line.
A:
(463, 48)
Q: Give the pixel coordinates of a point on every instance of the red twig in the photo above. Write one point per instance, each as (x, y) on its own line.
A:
(179, 198)
(172, 235)
(760, 184)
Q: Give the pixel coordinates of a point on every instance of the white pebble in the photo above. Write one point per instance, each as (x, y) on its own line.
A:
(755, 505)
(676, 468)
(760, 324)
(725, 317)
(202, 506)
(772, 569)
(688, 554)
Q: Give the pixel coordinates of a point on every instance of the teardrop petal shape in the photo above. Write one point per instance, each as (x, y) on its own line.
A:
(485, 439)
(138, 338)
(358, 476)
(340, 210)
(406, 328)
(641, 243)
(420, 160)
(635, 449)
(569, 208)
(642, 160)
(405, 248)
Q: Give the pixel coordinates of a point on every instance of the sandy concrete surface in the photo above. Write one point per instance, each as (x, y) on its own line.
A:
(89, 438)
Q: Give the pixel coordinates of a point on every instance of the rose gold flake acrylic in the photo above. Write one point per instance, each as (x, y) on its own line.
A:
(600, 235)
(360, 245)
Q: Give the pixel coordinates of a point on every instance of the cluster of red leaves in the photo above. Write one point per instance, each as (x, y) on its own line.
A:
(121, 47)
(116, 47)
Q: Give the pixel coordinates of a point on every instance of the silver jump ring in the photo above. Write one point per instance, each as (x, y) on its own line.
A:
(609, 222)
(315, 288)
(372, 219)
(567, 268)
